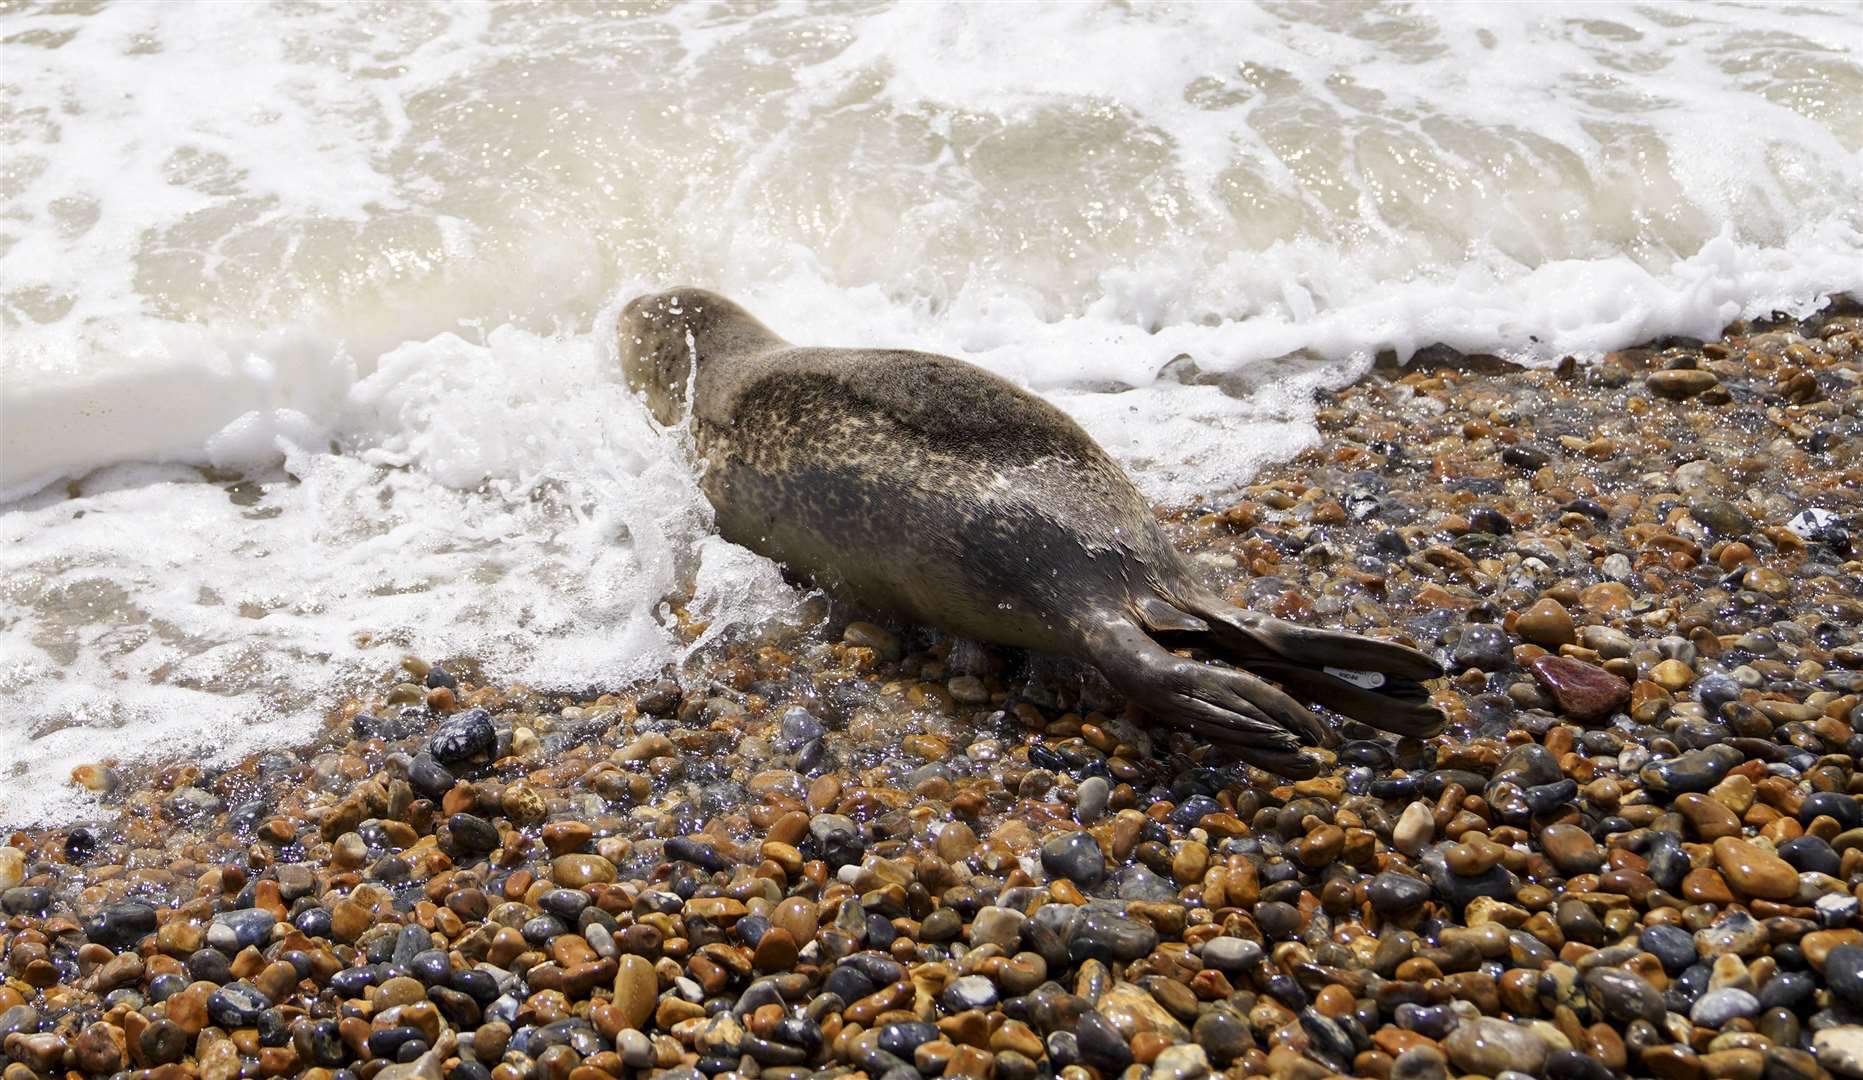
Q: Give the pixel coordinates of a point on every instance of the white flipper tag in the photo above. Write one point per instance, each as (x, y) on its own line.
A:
(1364, 680)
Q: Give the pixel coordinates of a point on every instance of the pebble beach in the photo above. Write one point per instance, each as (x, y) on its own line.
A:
(869, 850)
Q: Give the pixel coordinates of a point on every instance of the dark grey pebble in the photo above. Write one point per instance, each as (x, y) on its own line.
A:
(1696, 770)
(1525, 457)
(1843, 974)
(236, 1005)
(1277, 918)
(1668, 863)
(1672, 945)
(900, 1039)
(1391, 893)
(26, 900)
(1846, 809)
(565, 904)
(121, 924)
(1101, 1045)
(1432, 1021)
(464, 737)
(1488, 648)
(1717, 1007)
(1623, 996)
(1223, 1034)
(1139, 883)
(429, 779)
(1714, 691)
(1107, 937)
(1811, 853)
(1075, 856)
(697, 852)
(1572, 1065)
(20, 1018)
(1787, 990)
(387, 1042)
(1546, 798)
(799, 726)
(1497, 881)
(1231, 954)
(232, 931)
(473, 833)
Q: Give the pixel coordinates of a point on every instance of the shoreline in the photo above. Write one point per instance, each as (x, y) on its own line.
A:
(1641, 839)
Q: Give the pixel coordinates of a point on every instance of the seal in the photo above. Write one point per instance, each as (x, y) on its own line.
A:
(927, 486)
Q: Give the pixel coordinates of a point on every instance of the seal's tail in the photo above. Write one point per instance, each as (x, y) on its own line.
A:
(1376, 682)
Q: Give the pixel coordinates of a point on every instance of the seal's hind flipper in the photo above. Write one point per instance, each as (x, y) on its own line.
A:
(1394, 703)
(1225, 706)
(1162, 616)
(1375, 682)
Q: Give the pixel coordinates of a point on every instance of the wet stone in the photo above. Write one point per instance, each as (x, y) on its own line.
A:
(1754, 871)
(1075, 856)
(1489, 1047)
(1735, 932)
(1529, 765)
(1223, 1034)
(999, 926)
(1231, 955)
(1840, 1049)
(1717, 1007)
(122, 924)
(1497, 882)
(1099, 935)
(1572, 1065)
(1572, 850)
(901, 1039)
(1846, 810)
(1485, 647)
(1843, 972)
(1548, 624)
(1584, 691)
(1671, 945)
(1391, 892)
(236, 1005)
(1622, 995)
(20, 1018)
(837, 838)
(1680, 384)
(1787, 990)
(969, 992)
(26, 900)
(1139, 883)
(232, 931)
(473, 833)
(1101, 1044)
(1420, 1063)
(464, 737)
(429, 779)
(1696, 770)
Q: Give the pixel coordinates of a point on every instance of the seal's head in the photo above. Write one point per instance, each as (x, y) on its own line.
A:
(667, 336)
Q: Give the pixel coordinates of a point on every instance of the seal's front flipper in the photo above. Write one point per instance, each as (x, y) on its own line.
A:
(1375, 682)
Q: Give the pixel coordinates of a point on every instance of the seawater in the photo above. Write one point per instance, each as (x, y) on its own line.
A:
(307, 308)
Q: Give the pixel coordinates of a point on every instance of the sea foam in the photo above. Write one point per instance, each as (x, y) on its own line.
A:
(307, 311)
